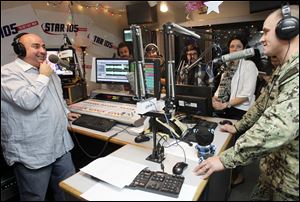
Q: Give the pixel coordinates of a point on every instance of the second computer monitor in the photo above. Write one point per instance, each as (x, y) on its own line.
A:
(152, 76)
(194, 100)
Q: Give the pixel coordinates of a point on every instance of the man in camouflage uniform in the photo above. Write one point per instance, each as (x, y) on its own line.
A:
(271, 127)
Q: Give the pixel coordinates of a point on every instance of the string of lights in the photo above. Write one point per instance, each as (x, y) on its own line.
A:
(86, 5)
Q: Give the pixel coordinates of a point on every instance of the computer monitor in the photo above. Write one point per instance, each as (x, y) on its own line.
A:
(127, 35)
(61, 71)
(194, 100)
(111, 70)
(152, 76)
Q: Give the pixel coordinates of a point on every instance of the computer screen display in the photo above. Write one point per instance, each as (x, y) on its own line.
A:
(112, 70)
(127, 35)
(195, 100)
(60, 70)
(152, 76)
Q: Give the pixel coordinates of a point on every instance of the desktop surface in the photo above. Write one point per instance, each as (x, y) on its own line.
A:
(191, 188)
(193, 185)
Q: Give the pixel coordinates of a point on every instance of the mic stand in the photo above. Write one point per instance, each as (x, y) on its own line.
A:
(83, 48)
(138, 56)
(169, 29)
(158, 154)
(169, 66)
(140, 92)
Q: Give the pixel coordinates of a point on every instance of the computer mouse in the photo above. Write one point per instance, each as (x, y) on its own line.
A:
(141, 138)
(223, 122)
(179, 167)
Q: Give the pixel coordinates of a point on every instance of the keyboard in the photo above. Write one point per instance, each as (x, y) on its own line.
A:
(94, 122)
(158, 182)
(204, 128)
(120, 112)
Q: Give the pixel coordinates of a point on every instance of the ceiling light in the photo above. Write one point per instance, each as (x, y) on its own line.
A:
(163, 6)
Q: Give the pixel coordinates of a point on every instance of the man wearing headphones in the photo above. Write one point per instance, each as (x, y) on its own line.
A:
(270, 129)
(34, 136)
(152, 51)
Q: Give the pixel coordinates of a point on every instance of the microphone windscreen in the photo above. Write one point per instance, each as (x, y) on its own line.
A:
(249, 52)
(203, 136)
(53, 58)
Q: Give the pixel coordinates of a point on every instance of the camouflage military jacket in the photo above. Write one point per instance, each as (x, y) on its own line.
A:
(271, 131)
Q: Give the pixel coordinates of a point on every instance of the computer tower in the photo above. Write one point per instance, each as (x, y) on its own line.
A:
(9, 190)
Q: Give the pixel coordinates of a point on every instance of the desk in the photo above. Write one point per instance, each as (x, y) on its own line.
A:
(81, 182)
(124, 138)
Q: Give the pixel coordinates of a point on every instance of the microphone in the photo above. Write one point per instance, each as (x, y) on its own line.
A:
(54, 59)
(249, 52)
(183, 30)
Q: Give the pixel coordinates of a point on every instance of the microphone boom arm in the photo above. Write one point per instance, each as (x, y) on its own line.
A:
(139, 80)
(168, 30)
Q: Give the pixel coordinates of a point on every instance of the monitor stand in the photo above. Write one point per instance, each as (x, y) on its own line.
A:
(116, 87)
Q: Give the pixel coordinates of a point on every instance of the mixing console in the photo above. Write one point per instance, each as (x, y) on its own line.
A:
(120, 112)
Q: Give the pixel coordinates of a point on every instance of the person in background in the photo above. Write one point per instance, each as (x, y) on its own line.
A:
(235, 93)
(34, 118)
(124, 51)
(200, 74)
(265, 73)
(271, 127)
(152, 51)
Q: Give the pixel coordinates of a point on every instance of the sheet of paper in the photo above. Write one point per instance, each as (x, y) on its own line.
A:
(190, 151)
(113, 170)
(105, 192)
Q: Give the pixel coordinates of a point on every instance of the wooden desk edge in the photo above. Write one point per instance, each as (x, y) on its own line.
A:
(114, 140)
(199, 190)
(71, 190)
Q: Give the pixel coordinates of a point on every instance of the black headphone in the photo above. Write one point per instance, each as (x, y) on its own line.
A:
(19, 47)
(288, 27)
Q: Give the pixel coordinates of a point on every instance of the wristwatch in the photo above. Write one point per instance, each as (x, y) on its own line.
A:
(228, 105)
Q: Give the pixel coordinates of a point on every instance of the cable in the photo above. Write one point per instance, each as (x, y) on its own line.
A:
(171, 133)
(176, 143)
(72, 131)
(103, 149)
